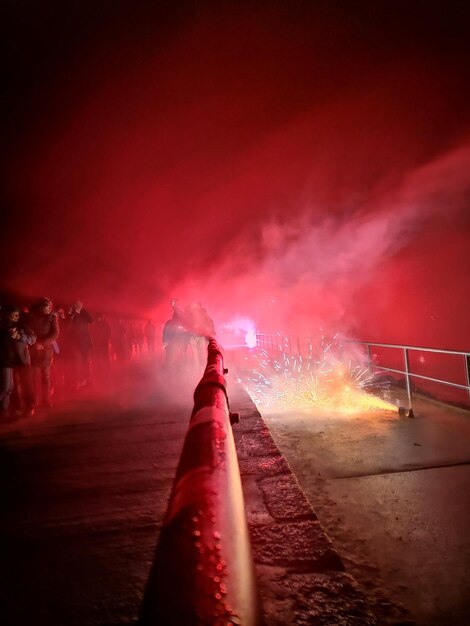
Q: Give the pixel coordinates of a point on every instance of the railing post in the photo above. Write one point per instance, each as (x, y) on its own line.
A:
(408, 385)
(203, 571)
(283, 343)
(467, 374)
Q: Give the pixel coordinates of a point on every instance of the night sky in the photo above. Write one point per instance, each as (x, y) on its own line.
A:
(305, 164)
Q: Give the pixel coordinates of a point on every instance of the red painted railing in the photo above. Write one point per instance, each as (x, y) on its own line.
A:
(203, 571)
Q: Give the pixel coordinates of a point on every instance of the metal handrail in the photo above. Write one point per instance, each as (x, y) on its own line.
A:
(263, 339)
(203, 570)
(434, 380)
(407, 373)
(417, 348)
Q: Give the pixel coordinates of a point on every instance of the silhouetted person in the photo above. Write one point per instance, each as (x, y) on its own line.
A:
(200, 327)
(14, 342)
(45, 326)
(150, 333)
(78, 331)
(176, 337)
(119, 341)
(59, 372)
(7, 336)
(175, 341)
(23, 391)
(101, 339)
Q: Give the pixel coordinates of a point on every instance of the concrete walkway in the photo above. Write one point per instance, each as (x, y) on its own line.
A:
(394, 495)
(301, 576)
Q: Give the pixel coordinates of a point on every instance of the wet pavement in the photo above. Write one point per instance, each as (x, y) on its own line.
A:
(85, 487)
(301, 576)
(84, 491)
(394, 495)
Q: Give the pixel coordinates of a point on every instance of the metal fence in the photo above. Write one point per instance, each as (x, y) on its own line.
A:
(306, 347)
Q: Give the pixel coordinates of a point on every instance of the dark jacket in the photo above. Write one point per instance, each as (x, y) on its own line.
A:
(15, 352)
(7, 353)
(174, 332)
(22, 345)
(101, 335)
(78, 329)
(46, 329)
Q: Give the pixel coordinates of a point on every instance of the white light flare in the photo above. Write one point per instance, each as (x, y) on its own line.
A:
(240, 331)
(250, 337)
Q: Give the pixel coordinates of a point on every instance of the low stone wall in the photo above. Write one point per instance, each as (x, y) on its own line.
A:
(301, 576)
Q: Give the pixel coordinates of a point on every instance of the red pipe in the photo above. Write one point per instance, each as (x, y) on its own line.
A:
(203, 571)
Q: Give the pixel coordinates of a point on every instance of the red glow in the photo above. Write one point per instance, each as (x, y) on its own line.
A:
(304, 167)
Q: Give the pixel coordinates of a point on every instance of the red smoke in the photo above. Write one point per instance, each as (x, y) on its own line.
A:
(303, 166)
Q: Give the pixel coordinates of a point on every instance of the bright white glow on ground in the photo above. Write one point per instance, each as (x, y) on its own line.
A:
(293, 383)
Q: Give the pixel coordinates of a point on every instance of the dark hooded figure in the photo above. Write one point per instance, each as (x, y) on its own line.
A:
(8, 336)
(78, 322)
(200, 327)
(44, 324)
(119, 341)
(14, 342)
(175, 339)
(23, 391)
(101, 339)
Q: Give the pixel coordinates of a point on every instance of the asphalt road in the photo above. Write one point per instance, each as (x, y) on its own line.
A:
(84, 490)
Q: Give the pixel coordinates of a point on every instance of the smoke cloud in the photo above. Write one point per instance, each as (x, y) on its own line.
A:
(304, 274)
(298, 166)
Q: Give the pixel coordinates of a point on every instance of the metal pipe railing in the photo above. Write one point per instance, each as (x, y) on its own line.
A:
(395, 345)
(406, 359)
(203, 571)
(262, 339)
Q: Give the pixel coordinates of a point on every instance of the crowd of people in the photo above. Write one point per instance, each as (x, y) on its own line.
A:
(46, 350)
(43, 350)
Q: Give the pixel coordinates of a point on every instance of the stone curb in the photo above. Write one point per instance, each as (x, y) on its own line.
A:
(300, 574)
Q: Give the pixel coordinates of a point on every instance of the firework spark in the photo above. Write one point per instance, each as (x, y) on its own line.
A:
(299, 383)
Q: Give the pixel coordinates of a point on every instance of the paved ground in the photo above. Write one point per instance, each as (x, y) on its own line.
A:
(301, 576)
(84, 489)
(394, 495)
